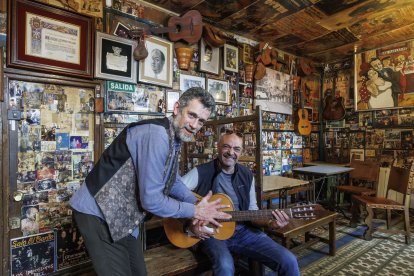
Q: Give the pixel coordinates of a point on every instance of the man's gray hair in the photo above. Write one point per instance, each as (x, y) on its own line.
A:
(200, 94)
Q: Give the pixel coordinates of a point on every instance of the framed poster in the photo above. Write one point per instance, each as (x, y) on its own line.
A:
(114, 58)
(209, 58)
(49, 39)
(188, 81)
(157, 68)
(219, 90)
(172, 98)
(384, 77)
(231, 58)
(274, 92)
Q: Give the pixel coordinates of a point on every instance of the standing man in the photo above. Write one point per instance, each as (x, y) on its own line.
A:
(225, 175)
(138, 173)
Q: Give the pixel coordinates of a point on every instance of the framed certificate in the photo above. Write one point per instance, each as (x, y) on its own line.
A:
(114, 58)
(49, 39)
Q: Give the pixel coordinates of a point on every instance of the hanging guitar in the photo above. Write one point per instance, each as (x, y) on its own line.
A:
(213, 37)
(188, 27)
(174, 228)
(334, 108)
(304, 126)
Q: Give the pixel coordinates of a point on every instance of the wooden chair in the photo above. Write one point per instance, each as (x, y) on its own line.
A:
(400, 181)
(363, 179)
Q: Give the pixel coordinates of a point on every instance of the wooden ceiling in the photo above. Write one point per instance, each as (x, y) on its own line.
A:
(324, 30)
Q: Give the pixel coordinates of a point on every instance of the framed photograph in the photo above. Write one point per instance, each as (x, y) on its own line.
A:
(157, 68)
(188, 81)
(231, 58)
(209, 58)
(45, 38)
(274, 92)
(384, 77)
(172, 98)
(335, 124)
(126, 97)
(114, 58)
(121, 30)
(219, 90)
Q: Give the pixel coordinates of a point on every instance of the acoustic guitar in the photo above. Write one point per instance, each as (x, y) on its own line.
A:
(305, 66)
(175, 228)
(188, 27)
(334, 108)
(212, 36)
(304, 126)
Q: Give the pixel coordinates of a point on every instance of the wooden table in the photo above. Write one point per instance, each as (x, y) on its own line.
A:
(321, 173)
(297, 227)
(281, 187)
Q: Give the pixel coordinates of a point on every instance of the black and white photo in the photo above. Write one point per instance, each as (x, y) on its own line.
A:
(156, 68)
(219, 90)
(188, 81)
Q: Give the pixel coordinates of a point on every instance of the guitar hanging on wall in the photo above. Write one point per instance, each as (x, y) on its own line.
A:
(188, 27)
(304, 126)
(334, 108)
(174, 228)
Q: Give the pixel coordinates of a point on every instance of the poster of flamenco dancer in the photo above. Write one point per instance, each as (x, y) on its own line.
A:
(384, 77)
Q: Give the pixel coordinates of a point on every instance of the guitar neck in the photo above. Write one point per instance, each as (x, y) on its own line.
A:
(172, 29)
(254, 214)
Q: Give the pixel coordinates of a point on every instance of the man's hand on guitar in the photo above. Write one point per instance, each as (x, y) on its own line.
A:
(206, 211)
(200, 230)
(281, 219)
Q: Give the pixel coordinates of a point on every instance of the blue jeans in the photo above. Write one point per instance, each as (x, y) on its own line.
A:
(254, 244)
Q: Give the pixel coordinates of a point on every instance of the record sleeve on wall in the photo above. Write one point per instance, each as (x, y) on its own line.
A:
(33, 255)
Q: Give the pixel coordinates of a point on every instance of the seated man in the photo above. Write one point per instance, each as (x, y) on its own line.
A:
(225, 175)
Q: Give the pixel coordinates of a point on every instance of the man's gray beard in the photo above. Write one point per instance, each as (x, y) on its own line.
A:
(185, 138)
(179, 134)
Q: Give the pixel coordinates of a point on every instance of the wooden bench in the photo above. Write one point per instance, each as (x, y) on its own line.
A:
(170, 260)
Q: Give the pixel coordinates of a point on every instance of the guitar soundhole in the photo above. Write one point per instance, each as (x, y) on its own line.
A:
(178, 28)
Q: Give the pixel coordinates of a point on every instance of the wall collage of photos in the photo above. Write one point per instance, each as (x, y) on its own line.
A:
(55, 151)
(280, 147)
(373, 129)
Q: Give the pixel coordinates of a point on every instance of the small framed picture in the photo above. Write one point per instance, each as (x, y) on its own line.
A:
(172, 98)
(114, 60)
(209, 58)
(219, 90)
(188, 81)
(121, 30)
(231, 58)
(157, 68)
